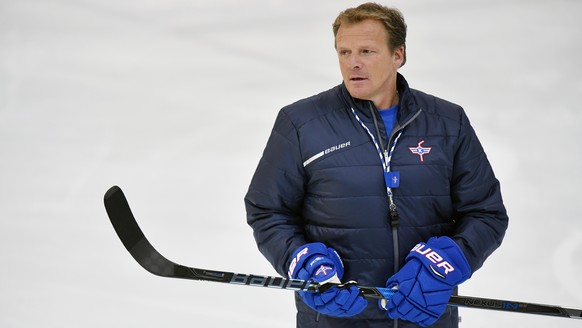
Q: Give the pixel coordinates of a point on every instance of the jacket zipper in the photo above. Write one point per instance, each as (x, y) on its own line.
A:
(394, 216)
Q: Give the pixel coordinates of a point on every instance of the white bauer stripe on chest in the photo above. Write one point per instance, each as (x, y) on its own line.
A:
(325, 152)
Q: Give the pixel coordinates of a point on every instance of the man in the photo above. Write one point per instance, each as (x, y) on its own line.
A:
(375, 182)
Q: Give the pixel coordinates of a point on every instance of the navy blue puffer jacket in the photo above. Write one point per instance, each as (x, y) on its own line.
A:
(320, 179)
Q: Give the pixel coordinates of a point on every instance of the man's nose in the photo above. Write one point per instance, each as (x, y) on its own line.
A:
(355, 63)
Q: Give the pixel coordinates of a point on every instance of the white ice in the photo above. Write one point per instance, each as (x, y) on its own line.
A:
(174, 100)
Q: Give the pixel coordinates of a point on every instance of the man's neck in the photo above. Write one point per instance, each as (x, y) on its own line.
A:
(388, 102)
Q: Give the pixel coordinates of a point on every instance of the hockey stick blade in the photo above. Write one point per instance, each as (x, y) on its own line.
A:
(151, 260)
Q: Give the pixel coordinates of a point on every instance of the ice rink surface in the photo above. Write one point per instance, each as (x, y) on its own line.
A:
(174, 101)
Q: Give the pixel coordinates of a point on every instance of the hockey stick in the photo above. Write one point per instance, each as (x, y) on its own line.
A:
(150, 259)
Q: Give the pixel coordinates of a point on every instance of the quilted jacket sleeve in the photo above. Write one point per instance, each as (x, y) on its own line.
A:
(480, 214)
(275, 196)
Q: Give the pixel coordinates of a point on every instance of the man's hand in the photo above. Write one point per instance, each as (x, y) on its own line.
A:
(321, 264)
(425, 283)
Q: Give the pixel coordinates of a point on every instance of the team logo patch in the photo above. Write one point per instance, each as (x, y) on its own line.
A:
(323, 269)
(420, 150)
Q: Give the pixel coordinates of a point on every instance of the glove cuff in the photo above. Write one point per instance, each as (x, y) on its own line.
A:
(316, 261)
(444, 259)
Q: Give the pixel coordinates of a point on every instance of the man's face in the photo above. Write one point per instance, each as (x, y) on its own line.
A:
(367, 65)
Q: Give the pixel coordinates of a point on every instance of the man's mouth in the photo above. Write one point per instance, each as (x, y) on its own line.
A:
(358, 79)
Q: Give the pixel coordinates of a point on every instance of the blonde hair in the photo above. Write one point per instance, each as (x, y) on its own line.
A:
(391, 18)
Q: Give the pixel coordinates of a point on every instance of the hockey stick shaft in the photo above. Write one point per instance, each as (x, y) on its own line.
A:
(150, 259)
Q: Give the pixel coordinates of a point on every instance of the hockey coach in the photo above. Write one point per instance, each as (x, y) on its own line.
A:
(375, 182)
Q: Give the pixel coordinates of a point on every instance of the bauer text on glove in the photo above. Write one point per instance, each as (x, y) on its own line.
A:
(426, 281)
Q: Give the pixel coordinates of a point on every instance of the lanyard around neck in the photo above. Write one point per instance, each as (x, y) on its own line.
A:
(385, 157)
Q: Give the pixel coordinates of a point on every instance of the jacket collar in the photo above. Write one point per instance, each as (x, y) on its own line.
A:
(408, 105)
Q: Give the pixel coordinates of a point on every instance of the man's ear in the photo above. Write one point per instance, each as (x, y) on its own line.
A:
(398, 56)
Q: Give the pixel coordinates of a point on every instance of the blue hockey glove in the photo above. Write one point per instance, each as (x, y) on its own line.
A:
(321, 264)
(425, 283)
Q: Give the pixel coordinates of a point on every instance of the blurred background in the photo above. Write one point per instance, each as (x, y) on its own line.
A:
(174, 101)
